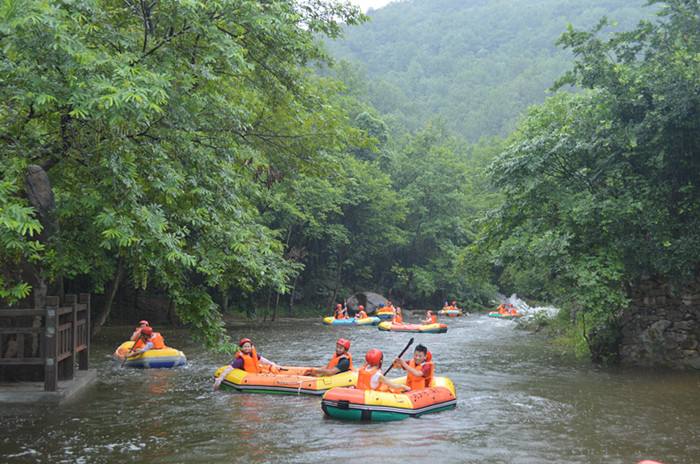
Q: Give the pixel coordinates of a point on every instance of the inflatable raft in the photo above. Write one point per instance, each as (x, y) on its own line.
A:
(372, 405)
(330, 320)
(151, 359)
(384, 315)
(420, 328)
(450, 312)
(289, 380)
(504, 316)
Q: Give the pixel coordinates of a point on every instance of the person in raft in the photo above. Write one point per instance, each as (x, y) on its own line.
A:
(247, 358)
(340, 312)
(370, 377)
(148, 340)
(340, 362)
(361, 314)
(398, 316)
(419, 370)
(430, 318)
(137, 331)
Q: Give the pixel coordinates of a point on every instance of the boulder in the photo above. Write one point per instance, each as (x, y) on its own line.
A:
(371, 301)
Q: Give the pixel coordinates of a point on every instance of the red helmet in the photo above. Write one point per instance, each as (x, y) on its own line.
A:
(144, 322)
(360, 308)
(243, 341)
(344, 343)
(148, 330)
(374, 357)
(338, 305)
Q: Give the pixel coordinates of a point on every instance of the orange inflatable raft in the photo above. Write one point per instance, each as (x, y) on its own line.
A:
(373, 405)
(288, 379)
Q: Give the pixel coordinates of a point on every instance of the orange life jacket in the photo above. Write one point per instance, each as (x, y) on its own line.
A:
(336, 359)
(416, 382)
(340, 314)
(364, 377)
(157, 340)
(362, 315)
(432, 319)
(398, 319)
(250, 361)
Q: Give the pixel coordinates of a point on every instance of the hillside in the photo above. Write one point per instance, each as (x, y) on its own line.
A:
(476, 64)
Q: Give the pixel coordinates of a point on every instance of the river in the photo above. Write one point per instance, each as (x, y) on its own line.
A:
(519, 401)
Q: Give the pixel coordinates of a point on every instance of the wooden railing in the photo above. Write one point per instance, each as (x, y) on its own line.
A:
(56, 336)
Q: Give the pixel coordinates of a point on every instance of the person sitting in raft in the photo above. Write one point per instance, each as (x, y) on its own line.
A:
(430, 318)
(507, 309)
(137, 331)
(446, 306)
(454, 305)
(370, 377)
(398, 316)
(361, 314)
(247, 358)
(340, 312)
(388, 307)
(340, 362)
(148, 340)
(419, 370)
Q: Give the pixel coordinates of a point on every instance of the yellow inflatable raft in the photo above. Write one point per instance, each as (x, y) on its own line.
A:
(151, 359)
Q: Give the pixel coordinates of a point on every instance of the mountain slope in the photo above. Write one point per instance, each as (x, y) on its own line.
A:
(477, 64)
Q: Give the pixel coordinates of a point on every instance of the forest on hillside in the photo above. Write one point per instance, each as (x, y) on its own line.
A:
(475, 65)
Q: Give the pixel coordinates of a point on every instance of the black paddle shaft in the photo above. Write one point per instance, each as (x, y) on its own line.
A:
(410, 342)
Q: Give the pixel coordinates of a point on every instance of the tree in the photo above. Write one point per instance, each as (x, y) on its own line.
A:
(161, 125)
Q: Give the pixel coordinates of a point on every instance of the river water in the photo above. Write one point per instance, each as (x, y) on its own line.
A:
(519, 401)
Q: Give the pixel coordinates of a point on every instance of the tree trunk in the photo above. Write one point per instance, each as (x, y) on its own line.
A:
(274, 311)
(104, 314)
(291, 296)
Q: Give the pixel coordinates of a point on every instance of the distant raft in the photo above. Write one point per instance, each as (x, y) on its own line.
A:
(450, 312)
(498, 315)
(151, 359)
(419, 328)
(330, 320)
(289, 380)
(385, 314)
(373, 405)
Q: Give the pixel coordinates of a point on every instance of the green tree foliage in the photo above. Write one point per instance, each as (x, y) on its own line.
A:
(601, 188)
(478, 64)
(162, 125)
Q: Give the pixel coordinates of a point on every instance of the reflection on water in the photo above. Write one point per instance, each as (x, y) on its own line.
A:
(518, 402)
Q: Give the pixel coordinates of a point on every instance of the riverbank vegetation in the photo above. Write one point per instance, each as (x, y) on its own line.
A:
(213, 151)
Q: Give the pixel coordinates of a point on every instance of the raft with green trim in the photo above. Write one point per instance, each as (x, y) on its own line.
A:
(330, 320)
(372, 405)
(151, 359)
(288, 380)
(418, 328)
(504, 316)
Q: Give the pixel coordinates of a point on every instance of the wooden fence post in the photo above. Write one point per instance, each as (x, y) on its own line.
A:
(84, 356)
(72, 300)
(50, 339)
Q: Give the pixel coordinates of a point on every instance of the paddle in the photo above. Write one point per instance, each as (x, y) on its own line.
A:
(129, 353)
(410, 342)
